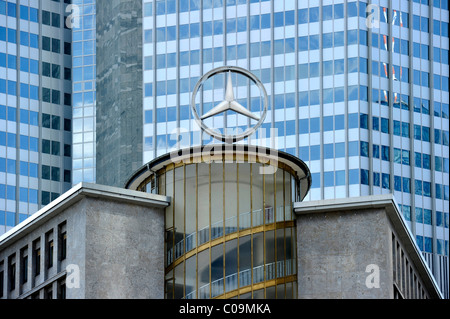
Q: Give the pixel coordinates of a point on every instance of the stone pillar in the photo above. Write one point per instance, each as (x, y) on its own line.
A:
(119, 114)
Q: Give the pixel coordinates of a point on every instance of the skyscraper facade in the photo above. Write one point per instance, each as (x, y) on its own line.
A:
(35, 107)
(84, 84)
(357, 90)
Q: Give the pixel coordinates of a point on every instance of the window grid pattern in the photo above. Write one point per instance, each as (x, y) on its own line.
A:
(35, 114)
(366, 109)
(84, 93)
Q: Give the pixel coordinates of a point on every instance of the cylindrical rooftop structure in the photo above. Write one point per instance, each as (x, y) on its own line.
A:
(229, 229)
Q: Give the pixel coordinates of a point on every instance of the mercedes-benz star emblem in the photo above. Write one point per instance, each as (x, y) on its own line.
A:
(229, 104)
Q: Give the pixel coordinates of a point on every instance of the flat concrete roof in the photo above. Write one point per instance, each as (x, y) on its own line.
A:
(74, 195)
(388, 202)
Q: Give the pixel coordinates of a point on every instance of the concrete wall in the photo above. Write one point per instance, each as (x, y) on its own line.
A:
(124, 250)
(334, 250)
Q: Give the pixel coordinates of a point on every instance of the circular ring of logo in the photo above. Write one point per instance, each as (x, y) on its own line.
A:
(214, 133)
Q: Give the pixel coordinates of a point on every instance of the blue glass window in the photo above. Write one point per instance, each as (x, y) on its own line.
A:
(327, 40)
(353, 120)
(161, 7)
(171, 33)
(364, 177)
(405, 129)
(302, 16)
(148, 89)
(314, 97)
(23, 194)
(328, 123)
(426, 161)
(340, 178)
(384, 125)
(315, 180)
(315, 152)
(405, 157)
(304, 153)
(425, 134)
(328, 150)
(364, 121)
(406, 184)
(353, 148)
(352, 9)
(385, 153)
(328, 179)
(11, 139)
(303, 126)
(339, 39)
(352, 37)
(314, 14)
(353, 176)
(265, 21)
(314, 125)
(353, 92)
(427, 189)
(23, 142)
(11, 166)
(339, 122)
(34, 142)
(397, 128)
(418, 187)
(339, 150)
(148, 9)
(339, 11)
(438, 189)
(303, 43)
(11, 9)
(147, 36)
(10, 217)
(161, 33)
(376, 179)
(314, 42)
(375, 123)
(207, 28)
(362, 37)
(364, 149)
(385, 182)
(314, 69)
(290, 127)
(339, 66)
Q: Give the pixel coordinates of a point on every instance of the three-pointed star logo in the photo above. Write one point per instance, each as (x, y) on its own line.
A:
(229, 104)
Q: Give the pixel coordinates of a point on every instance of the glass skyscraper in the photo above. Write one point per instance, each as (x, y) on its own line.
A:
(84, 75)
(357, 90)
(35, 107)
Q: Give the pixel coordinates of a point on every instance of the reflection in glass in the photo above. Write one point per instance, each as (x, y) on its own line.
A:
(191, 278)
(231, 265)
(217, 270)
(199, 218)
(179, 212)
(203, 204)
(203, 275)
(216, 200)
(231, 198)
(190, 208)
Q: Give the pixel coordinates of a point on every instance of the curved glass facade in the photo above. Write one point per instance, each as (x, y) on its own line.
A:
(230, 229)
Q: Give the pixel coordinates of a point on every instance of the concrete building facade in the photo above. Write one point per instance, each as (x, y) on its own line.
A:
(93, 242)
